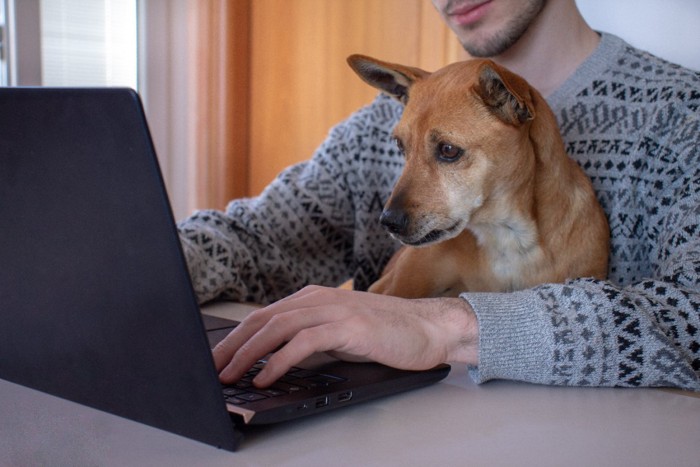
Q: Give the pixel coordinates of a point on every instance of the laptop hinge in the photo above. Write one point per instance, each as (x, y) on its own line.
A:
(246, 414)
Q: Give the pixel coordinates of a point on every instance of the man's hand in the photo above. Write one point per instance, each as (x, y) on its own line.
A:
(413, 334)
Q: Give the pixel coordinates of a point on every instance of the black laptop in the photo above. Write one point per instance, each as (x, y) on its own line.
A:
(96, 304)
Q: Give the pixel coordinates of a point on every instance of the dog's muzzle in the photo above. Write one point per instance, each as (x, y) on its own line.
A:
(395, 221)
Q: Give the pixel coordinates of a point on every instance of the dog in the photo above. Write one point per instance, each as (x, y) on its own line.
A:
(488, 200)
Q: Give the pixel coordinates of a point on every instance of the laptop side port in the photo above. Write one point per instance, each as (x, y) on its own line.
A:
(321, 402)
(345, 396)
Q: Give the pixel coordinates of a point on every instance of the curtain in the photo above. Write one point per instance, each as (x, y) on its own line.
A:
(221, 108)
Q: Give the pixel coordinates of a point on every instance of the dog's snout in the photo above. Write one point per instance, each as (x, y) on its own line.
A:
(394, 220)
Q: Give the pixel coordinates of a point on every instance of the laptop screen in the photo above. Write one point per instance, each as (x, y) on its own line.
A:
(97, 305)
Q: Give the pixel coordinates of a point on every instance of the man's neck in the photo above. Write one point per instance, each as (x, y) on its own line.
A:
(553, 47)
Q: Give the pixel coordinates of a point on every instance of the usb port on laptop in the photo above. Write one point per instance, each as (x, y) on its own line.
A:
(321, 402)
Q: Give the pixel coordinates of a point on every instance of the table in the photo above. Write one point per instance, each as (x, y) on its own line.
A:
(454, 422)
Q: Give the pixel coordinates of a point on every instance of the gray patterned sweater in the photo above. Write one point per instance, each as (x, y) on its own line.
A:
(632, 122)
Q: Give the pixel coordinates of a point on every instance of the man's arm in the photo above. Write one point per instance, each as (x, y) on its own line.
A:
(596, 333)
(402, 333)
(316, 223)
(264, 248)
(585, 332)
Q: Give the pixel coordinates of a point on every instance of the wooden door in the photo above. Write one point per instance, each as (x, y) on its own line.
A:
(300, 84)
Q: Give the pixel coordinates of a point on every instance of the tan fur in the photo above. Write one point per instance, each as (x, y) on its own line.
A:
(513, 210)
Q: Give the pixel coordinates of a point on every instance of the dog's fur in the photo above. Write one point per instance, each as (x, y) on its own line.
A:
(488, 199)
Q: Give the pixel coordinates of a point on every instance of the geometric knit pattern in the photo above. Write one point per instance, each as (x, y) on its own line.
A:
(631, 121)
(317, 222)
(635, 130)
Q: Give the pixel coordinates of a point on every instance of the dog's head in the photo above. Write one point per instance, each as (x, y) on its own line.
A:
(463, 133)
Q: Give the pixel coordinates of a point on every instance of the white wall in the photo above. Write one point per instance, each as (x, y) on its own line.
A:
(667, 28)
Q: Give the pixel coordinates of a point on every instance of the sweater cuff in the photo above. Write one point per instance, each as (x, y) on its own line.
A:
(515, 339)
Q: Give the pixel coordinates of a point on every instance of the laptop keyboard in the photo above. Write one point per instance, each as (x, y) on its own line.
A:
(294, 381)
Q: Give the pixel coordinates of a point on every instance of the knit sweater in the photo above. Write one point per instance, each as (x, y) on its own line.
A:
(628, 118)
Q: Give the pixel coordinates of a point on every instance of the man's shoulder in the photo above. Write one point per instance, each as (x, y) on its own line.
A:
(383, 110)
(620, 82)
(374, 121)
(645, 70)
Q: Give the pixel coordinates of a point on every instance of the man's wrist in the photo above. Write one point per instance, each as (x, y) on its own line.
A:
(462, 329)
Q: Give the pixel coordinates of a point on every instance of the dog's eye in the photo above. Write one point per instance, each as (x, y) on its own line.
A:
(448, 152)
(399, 145)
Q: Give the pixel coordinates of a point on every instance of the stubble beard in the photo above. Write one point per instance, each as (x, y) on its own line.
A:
(504, 39)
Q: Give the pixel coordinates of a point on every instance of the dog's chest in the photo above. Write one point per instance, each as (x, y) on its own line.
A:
(512, 253)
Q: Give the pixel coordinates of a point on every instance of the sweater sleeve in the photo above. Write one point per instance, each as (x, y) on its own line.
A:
(317, 222)
(298, 231)
(261, 249)
(596, 333)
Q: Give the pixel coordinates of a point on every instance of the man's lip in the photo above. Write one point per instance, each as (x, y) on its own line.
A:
(468, 14)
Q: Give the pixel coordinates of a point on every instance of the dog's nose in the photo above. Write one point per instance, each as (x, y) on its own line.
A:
(394, 220)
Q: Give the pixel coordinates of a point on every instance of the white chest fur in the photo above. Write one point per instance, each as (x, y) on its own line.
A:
(512, 250)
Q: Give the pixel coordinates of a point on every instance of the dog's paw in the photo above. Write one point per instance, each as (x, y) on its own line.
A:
(378, 287)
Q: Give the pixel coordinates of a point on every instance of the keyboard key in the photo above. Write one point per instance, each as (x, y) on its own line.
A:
(251, 396)
(232, 391)
(271, 392)
(295, 380)
(243, 384)
(235, 400)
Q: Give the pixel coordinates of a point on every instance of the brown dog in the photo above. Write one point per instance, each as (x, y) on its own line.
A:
(488, 199)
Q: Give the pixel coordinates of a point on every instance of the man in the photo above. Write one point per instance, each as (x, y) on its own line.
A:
(630, 120)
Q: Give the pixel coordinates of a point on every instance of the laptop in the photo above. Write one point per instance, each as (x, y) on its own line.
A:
(96, 303)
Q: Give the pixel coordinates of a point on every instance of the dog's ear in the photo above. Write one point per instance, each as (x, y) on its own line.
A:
(393, 79)
(507, 94)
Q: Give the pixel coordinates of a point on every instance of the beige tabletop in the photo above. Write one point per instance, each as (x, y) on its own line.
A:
(454, 422)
